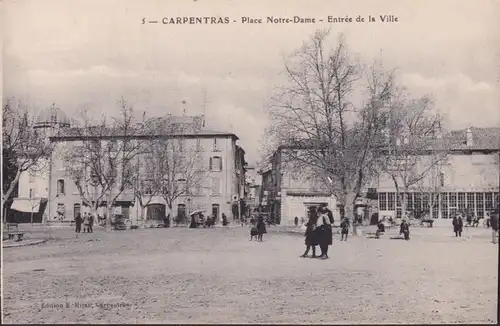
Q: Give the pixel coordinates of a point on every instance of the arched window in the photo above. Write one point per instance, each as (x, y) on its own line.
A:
(60, 187)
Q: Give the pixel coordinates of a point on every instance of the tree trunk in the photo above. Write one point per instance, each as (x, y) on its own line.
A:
(403, 203)
(141, 217)
(12, 186)
(347, 202)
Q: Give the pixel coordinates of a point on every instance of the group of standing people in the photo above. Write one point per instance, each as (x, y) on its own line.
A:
(458, 225)
(319, 231)
(88, 223)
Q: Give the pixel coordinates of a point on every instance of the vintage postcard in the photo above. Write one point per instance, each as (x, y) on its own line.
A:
(250, 161)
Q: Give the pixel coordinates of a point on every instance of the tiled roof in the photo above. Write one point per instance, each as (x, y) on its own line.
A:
(109, 132)
(482, 138)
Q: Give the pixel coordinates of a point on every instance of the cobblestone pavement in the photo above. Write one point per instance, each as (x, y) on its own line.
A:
(219, 276)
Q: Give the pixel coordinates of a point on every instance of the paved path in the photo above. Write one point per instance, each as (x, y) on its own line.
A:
(219, 276)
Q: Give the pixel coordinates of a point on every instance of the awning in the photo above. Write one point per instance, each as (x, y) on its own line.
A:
(26, 205)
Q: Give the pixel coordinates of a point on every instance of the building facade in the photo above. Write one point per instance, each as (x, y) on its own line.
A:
(33, 186)
(220, 158)
(287, 194)
(468, 180)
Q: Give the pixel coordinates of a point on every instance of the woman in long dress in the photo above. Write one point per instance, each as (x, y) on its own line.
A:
(324, 228)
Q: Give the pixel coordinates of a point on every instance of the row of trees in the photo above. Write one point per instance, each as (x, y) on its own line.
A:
(106, 158)
(343, 123)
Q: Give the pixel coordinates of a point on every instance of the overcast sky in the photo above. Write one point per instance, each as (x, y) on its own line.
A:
(87, 54)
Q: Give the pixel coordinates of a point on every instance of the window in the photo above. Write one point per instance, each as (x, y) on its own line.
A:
(441, 179)
(60, 187)
(470, 202)
(461, 201)
(480, 204)
(409, 201)
(488, 198)
(382, 201)
(216, 163)
(215, 186)
(418, 202)
(444, 205)
(453, 200)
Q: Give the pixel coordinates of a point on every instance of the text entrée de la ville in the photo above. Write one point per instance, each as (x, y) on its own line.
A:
(272, 20)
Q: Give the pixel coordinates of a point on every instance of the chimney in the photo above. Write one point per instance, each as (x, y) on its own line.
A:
(438, 129)
(469, 140)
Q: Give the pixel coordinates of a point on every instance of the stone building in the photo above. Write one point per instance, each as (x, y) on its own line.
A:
(468, 180)
(59, 201)
(286, 195)
(222, 161)
(33, 185)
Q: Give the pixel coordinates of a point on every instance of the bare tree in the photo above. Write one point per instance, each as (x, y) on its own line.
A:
(142, 179)
(99, 159)
(23, 147)
(179, 168)
(416, 148)
(314, 117)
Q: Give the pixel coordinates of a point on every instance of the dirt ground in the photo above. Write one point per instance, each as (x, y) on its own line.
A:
(219, 276)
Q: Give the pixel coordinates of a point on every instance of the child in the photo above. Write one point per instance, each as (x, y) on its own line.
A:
(253, 232)
(380, 229)
(310, 241)
(261, 228)
(345, 228)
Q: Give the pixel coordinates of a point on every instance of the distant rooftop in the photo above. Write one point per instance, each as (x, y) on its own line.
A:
(173, 126)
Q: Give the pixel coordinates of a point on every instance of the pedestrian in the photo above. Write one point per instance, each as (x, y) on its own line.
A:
(85, 222)
(78, 223)
(380, 229)
(324, 227)
(296, 221)
(458, 225)
(487, 220)
(405, 229)
(344, 226)
(91, 224)
(224, 219)
(311, 240)
(253, 233)
(261, 227)
(193, 224)
(494, 227)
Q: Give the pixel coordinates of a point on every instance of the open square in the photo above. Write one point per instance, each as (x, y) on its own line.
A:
(182, 275)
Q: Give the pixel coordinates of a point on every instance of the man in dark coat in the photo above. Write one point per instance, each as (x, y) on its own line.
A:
(78, 223)
(91, 224)
(494, 226)
(458, 225)
(405, 229)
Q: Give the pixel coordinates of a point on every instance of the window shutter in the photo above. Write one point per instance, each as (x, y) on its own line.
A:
(220, 163)
(210, 164)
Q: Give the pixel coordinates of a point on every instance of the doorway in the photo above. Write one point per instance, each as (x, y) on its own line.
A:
(215, 211)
